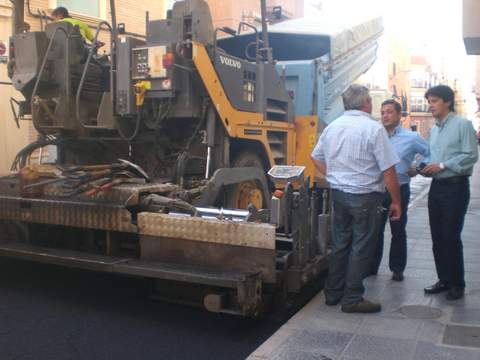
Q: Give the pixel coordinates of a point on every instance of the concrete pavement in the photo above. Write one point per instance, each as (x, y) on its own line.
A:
(412, 325)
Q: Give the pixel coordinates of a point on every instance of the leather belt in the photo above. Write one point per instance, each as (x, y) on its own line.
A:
(451, 180)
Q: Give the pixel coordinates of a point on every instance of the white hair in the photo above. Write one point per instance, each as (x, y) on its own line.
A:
(355, 96)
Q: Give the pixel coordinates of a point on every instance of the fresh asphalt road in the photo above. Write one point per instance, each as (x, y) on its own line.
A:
(49, 312)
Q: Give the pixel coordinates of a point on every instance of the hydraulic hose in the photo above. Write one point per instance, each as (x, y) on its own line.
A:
(24, 154)
(135, 131)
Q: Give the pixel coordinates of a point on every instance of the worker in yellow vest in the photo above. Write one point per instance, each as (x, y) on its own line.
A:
(61, 14)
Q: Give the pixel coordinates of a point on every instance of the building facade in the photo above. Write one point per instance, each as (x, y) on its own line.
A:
(460, 102)
(421, 79)
(399, 76)
(11, 138)
(231, 12)
(378, 97)
(389, 76)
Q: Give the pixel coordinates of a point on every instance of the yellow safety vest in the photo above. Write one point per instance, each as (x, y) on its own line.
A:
(84, 29)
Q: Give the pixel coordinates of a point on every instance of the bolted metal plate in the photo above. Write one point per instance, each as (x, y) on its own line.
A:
(460, 335)
(67, 213)
(421, 312)
(206, 230)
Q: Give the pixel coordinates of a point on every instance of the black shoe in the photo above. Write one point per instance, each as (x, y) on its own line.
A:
(455, 293)
(397, 276)
(436, 288)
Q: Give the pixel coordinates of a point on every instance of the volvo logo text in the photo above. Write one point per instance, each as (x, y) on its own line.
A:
(230, 62)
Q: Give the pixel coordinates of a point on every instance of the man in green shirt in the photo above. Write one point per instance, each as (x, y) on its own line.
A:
(453, 153)
(61, 14)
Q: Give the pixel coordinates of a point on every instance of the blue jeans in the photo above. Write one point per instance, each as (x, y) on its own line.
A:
(447, 205)
(398, 248)
(355, 220)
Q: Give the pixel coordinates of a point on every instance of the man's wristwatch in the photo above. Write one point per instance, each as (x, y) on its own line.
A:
(442, 166)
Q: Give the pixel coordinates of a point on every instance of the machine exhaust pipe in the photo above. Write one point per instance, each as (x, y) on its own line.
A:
(18, 16)
(266, 45)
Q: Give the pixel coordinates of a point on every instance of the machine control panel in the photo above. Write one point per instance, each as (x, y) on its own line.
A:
(147, 62)
(140, 63)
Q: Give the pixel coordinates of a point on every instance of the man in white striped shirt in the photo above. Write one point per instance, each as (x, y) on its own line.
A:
(358, 160)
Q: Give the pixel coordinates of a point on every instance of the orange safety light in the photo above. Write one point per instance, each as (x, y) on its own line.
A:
(278, 193)
(168, 60)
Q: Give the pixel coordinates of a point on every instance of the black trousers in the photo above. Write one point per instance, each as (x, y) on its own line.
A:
(447, 205)
(398, 247)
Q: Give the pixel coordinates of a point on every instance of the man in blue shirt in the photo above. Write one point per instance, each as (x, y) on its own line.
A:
(453, 153)
(358, 160)
(407, 145)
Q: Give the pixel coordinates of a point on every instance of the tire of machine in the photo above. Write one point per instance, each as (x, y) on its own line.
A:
(241, 194)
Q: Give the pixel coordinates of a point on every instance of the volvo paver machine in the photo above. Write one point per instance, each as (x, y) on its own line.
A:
(162, 152)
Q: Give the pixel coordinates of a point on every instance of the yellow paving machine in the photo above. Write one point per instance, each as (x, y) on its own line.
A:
(174, 160)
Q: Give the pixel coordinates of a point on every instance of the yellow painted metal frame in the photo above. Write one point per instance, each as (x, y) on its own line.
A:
(306, 129)
(301, 135)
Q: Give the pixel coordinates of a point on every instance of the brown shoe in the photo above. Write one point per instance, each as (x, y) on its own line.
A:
(363, 306)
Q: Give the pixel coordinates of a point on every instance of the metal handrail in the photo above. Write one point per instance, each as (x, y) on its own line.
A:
(85, 69)
(42, 69)
(257, 40)
(232, 33)
(215, 38)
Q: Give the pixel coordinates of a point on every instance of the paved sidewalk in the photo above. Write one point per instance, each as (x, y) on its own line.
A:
(412, 325)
